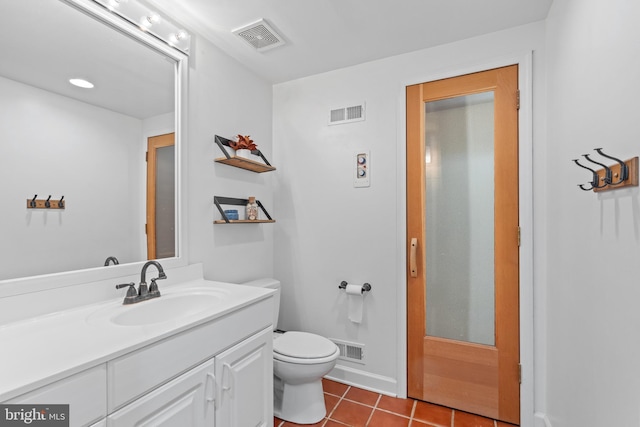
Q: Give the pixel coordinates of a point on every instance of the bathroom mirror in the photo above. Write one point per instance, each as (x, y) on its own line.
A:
(87, 145)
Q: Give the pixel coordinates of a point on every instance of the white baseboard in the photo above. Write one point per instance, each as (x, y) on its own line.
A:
(542, 420)
(362, 379)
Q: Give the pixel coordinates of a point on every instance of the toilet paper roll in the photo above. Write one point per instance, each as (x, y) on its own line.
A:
(355, 303)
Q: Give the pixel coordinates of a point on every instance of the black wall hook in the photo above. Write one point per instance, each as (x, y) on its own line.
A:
(607, 171)
(47, 203)
(624, 170)
(594, 179)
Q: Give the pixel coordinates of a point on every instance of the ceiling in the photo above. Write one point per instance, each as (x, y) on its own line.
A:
(324, 35)
(57, 42)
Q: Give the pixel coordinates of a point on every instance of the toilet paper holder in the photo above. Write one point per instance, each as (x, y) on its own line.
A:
(365, 288)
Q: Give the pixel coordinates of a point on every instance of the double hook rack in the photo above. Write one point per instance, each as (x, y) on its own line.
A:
(622, 174)
(36, 203)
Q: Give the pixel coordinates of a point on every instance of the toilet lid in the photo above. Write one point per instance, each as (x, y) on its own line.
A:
(303, 345)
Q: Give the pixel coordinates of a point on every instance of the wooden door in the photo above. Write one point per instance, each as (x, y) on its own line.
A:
(161, 196)
(464, 238)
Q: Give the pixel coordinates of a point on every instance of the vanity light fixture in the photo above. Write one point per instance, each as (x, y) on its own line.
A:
(115, 3)
(151, 19)
(176, 37)
(150, 22)
(81, 83)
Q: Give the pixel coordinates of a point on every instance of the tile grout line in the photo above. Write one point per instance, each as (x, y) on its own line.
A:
(453, 416)
(413, 411)
(373, 410)
(340, 399)
(389, 412)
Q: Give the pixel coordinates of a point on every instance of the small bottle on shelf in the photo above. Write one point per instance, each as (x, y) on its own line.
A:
(252, 209)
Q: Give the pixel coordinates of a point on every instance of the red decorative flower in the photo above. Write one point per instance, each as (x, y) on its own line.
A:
(243, 142)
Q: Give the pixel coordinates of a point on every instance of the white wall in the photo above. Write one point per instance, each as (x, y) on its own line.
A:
(227, 99)
(592, 273)
(328, 230)
(54, 145)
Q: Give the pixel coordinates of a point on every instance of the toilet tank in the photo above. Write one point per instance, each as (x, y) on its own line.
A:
(269, 284)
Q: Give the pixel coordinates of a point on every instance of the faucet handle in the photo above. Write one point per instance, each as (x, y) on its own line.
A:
(124, 285)
(131, 292)
(153, 288)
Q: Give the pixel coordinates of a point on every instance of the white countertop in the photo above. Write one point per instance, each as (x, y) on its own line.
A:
(38, 351)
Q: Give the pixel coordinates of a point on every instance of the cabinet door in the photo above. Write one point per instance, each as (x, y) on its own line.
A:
(186, 401)
(245, 379)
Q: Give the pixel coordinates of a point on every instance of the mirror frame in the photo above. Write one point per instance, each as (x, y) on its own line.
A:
(29, 284)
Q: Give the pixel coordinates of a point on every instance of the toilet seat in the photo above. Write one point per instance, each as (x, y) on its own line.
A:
(304, 348)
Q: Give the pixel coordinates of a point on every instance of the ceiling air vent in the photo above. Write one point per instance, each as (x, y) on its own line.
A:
(259, 35)
(346, 114)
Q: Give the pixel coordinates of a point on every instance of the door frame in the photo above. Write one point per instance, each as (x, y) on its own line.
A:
(525, 176)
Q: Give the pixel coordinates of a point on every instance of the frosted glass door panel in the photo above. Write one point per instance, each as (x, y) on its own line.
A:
(165, 203)
(459, 241)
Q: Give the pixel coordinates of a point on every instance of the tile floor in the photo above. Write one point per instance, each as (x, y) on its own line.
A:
(355, 407)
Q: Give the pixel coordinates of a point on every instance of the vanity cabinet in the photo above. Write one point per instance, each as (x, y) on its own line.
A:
(217, 373)
(233, 389)
(185, 401)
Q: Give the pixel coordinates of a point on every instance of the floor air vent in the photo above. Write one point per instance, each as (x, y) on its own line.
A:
(350, 351)
(347, 114)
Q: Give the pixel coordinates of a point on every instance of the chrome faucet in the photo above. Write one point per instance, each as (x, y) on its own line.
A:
(143, 292)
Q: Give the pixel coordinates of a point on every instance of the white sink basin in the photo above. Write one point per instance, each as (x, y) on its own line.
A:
(170, 307)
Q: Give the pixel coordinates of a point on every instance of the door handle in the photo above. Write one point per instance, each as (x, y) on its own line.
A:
(413, 268)
(227, 378)
(210, 386)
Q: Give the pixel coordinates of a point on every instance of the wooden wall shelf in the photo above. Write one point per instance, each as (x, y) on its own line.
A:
(244, 221)
(241, 162)
(219, 201)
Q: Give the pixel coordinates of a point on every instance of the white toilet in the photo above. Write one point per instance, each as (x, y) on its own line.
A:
(300, 360)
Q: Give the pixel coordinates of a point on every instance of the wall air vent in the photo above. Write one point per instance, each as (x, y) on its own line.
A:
(350, 351)
(259, 35)
(346, 114)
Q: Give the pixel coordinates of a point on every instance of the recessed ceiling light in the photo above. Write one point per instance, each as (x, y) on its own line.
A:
(81, 83)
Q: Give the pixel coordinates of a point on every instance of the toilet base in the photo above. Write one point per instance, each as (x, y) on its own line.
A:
(299, 403)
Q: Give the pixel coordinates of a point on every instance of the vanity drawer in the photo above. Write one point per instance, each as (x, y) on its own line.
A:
(85, 392)
(138, 372)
